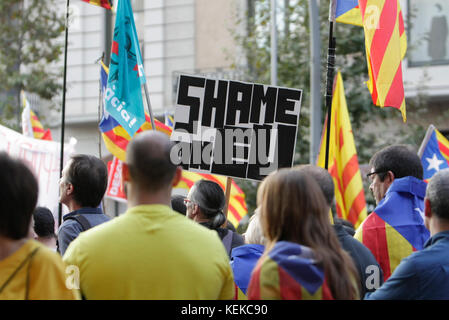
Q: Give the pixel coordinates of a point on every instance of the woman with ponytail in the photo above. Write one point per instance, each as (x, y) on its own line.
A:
(205, 203)
(303, 258)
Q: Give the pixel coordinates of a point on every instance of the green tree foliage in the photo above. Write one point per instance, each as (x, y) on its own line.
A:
(30, 45)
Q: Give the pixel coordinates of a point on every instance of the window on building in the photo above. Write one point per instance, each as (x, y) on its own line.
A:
(428, 32)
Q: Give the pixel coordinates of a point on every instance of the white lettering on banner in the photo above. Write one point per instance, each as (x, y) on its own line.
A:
(43, 158)
(116, 180)
(236, 129)
(119, 105)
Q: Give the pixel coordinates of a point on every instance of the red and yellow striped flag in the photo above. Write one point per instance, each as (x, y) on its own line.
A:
(343, 164)
(102, 3)
(385, 44)
(237, 206)
(31, 126)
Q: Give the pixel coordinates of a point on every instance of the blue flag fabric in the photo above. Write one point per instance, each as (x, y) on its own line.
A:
(123, 97)
(299, 262)
(432, 158)
(403, 209)
(243, 260)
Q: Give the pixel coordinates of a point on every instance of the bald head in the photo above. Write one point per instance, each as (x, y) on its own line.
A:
(324, 179)
(148, 159)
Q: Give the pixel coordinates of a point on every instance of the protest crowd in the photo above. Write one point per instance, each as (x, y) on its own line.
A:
(292, 249)
(310, 237)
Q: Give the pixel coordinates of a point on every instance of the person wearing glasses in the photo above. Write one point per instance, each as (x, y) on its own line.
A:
(205, 203)
(423, 274)
(395, 229)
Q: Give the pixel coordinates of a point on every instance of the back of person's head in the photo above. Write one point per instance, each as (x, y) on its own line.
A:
(89, 177)
(399, 159)
(210, 198)
(437, 193)
(177, 204)
(294, 209)
(148, 160)
(44, 222)
(254, 232)
(18, 197)
(323, 178)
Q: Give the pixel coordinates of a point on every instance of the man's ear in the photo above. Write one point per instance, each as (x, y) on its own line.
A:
(390, 176)
(69, 189)
(177, 177)
(427, 208)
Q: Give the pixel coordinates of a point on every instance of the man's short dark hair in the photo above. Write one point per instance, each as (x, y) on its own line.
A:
(148, 160)
(399, 159)
(324, 180)
(177, 204)
(89, 177)
(44, 222)
(18, 197)
(438, 194)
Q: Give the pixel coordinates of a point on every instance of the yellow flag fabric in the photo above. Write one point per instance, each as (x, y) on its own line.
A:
(343, 163)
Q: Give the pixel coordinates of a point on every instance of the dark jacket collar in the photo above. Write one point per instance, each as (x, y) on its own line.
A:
(437, 237)
(85, 210)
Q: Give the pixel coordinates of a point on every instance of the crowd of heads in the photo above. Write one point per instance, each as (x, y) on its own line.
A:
(292, 204)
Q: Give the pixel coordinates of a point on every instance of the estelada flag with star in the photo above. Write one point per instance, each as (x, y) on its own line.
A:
(434, 152)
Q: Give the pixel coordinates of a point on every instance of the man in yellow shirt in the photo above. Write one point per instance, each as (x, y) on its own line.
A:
(151, 251)
(28, 270)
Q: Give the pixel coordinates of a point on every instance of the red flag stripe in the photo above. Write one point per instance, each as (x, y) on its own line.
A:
(289, 288)
(358, 205)
(114, 48)
(119, 141)
(396, 92)
(351, 169)
(38, 130)
(341, 141)
(380, 239)
(334, 173)
(253, 291)
(443, 148)
(401, 23)
(381, 40)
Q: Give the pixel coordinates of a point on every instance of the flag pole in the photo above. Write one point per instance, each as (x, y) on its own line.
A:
(228, 197)
(426, 139)
(150, 112)
(64, 86)
(274, 44)
(330, 78)
(100, 105)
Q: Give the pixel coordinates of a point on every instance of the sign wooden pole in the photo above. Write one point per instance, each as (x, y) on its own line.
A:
(228, 197)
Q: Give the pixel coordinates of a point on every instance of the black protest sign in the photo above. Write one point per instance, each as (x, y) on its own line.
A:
(232, 128)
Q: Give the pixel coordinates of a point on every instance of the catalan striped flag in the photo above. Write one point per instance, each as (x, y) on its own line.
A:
(115, 137)
(434, 152)
(395, 229)
(31, 126)
(384, 45)
(237, 206)
(102, 3)
(343, 163)
(288, 272)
